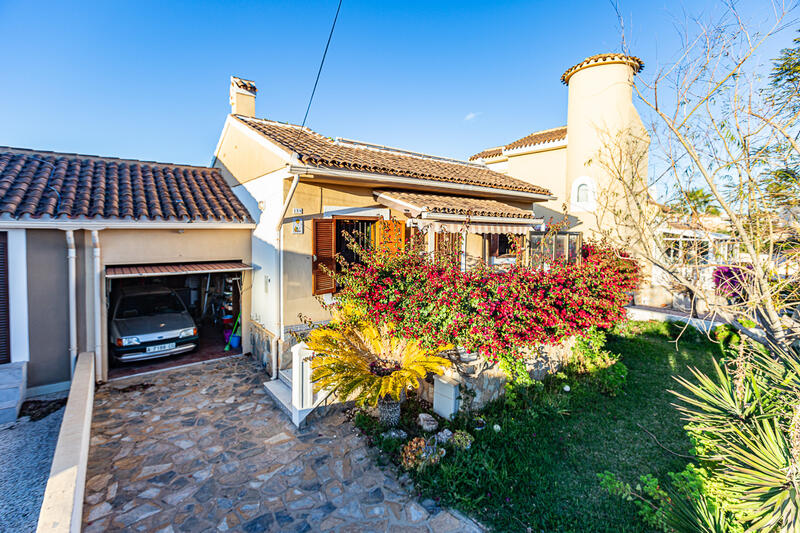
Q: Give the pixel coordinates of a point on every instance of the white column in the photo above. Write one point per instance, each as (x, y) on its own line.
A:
(18, 295)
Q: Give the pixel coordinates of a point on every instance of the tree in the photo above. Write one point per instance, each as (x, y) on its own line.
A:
(723, 129)
(726, 125)
(695, 202)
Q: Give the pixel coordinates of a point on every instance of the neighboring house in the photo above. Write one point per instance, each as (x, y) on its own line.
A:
(306, 190)
(603, 129)
(565, 160)
(74, 227)
(694, 249)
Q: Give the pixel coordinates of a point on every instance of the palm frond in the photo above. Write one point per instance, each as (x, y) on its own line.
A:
(346, 350)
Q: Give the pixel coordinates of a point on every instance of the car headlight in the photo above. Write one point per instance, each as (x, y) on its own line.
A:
(188, 332)
(127, 341)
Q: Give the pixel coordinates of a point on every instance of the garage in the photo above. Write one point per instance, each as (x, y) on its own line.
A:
(161, 316)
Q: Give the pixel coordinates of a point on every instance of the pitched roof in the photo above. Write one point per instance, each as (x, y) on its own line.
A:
(537, 137)
(636, 63)
(489, 152)
(37, 184)
(314, 149)
(455, 205)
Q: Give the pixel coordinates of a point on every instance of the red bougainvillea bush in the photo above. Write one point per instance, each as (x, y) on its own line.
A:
(498, 313)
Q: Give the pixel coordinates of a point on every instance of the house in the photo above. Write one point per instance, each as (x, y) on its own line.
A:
(602, 129)
(75, 229)
(565, 159)
(305, 191)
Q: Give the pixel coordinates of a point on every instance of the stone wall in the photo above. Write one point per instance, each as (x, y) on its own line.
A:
(487, 382)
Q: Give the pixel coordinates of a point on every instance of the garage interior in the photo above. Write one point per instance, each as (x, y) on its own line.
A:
(212, 294)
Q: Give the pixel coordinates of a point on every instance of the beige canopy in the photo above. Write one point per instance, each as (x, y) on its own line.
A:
(441, 212)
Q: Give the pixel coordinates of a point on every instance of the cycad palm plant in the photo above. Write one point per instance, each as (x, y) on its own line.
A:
(746, 426)
(363, 361)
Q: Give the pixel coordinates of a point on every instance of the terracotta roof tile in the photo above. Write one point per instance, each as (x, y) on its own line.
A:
(38, 184)
(633, 61)
(489, 152)
(314, 149)
(537, 137)
(457, 205)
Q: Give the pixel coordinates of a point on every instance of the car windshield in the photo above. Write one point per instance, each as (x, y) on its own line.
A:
(148, 305)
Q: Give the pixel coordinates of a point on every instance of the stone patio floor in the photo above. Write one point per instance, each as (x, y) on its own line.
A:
(203, 448)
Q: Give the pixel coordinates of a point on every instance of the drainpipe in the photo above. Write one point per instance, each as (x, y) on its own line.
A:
(73, 308)
(279, 230)
(97, 277)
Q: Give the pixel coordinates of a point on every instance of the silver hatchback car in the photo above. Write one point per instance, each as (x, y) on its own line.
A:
(150, 322)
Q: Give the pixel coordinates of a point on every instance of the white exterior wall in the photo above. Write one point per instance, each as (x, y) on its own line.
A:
(263, 198)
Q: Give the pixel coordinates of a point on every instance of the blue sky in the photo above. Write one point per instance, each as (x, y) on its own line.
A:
(149, 80)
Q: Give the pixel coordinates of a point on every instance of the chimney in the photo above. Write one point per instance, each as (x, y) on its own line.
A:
(243, 97)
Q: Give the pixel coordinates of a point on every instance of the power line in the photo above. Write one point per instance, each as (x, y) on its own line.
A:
(321, 63)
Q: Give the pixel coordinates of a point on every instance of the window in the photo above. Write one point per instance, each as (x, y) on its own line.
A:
(329, 240)
(545, 248)
(501, 245)
(583, 193)
(362, 231)
(142, 305)
(447, 244)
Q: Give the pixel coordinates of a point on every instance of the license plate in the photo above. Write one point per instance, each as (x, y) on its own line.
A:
(160, 347)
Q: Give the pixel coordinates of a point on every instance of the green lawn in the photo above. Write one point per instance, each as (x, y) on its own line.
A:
(540, 470)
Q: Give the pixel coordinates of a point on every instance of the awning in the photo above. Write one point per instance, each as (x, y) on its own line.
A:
(440, 212)
(481, 229)
(174, 269)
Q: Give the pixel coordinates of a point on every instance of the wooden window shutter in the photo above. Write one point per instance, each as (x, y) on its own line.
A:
(5, 330)
(494, 245)
(324, 250)
(390, 235)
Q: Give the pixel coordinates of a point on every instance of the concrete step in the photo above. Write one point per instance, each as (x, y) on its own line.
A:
(10, 394)
(12, 374)
(285, 375)
(281, 393)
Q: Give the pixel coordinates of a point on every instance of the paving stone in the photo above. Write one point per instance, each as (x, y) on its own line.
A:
(259, 524)
(137, 513)
(351, 510)
(152, 492)
(99, 511)
(374, 496)
(304, 503)
(207, 444)
(375, 511)
(416, 513)
(408, 529)
(283, 518)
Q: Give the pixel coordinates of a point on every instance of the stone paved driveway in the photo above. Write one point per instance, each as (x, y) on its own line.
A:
(204, 449)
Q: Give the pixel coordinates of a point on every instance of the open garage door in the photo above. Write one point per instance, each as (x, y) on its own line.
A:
(173, 269)
(165, 315)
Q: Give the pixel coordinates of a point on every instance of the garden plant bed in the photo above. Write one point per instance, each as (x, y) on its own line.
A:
(539, 471)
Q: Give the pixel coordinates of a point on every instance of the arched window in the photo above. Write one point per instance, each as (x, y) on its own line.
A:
(583, 193)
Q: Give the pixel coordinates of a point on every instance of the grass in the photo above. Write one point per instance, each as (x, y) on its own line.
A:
(539, 473)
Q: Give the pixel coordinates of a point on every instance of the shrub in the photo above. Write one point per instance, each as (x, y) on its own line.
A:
(502, 315)
(602, 368)
(612, 379)
(462, 440)
(744, 422)
(360, 360)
